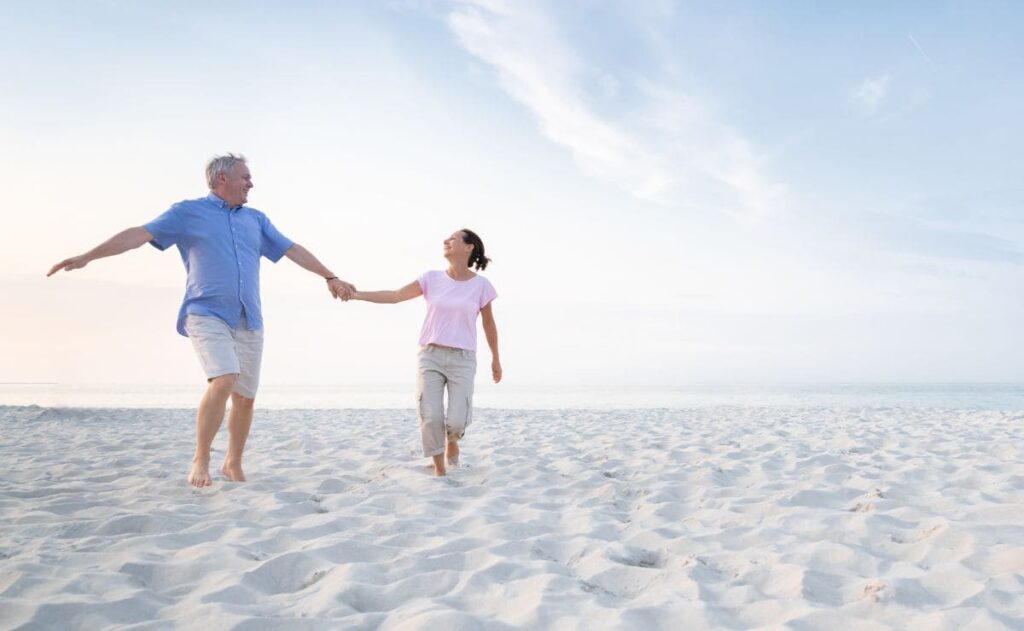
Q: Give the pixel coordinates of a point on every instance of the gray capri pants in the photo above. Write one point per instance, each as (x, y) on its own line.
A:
(438, 367)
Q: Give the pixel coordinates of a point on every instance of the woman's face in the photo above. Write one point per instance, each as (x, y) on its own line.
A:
(455, 249)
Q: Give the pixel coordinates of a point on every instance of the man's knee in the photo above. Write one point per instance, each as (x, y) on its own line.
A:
(242, 402)
(223, 385)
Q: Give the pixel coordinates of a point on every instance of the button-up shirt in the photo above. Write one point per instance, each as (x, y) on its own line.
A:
(221, 247)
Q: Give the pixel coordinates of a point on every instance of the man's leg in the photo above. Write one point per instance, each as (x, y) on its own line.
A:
(239, 422)
(249, 350)
(208, 420)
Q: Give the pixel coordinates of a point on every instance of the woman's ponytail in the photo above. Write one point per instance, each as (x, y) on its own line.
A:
(476, 257)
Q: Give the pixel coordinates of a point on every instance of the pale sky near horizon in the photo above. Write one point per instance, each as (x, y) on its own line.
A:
(671, 192)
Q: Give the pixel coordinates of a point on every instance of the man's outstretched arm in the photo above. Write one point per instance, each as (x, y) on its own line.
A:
(118, 244)
(305, 259)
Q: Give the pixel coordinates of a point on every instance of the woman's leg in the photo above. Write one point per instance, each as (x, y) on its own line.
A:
(461, 374)
(430, 407)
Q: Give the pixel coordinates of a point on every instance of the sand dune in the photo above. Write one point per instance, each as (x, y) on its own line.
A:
(721, 518)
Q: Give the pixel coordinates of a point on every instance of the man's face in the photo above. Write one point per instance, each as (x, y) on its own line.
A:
(236, 185)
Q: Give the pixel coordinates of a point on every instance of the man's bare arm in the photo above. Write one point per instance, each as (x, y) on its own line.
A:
(118, 244)
(305, 259)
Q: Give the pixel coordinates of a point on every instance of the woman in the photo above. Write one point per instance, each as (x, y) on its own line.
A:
(447, 356)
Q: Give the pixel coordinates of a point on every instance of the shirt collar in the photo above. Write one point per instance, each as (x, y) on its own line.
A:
(220, 203)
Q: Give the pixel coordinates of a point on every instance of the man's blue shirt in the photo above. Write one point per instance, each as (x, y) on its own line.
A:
(221, 248)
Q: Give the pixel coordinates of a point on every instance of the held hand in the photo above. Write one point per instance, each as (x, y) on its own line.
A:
(340, 289)
(75, 262)
(496, 370)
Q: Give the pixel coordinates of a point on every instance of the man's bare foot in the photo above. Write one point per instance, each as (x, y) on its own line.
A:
(199, 476)
(232, 472)
(452, 454)
(439, 465)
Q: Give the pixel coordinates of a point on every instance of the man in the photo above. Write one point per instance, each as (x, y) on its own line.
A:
(221, 241)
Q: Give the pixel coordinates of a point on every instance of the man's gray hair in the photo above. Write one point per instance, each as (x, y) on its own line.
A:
(221, 164)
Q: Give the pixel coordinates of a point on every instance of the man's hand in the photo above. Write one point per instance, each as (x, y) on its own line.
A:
(75, 262)
(340, 289)
(119, 243)
(496, 370)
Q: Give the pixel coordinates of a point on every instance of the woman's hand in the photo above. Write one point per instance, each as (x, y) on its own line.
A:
(496, 370)
(340, 289)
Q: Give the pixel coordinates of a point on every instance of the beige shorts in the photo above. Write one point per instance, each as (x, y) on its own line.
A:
(441, 369)
(226, 351)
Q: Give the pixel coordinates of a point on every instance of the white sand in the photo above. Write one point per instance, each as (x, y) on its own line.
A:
(719, 518)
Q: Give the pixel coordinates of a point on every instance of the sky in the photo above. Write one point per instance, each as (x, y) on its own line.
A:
(671, 192)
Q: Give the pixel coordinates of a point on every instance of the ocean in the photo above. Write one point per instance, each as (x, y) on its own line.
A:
(965, 396)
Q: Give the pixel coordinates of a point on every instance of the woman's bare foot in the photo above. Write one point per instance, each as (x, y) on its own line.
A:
(452, 454)
(199, 476)
(439, 469)
(232, 472)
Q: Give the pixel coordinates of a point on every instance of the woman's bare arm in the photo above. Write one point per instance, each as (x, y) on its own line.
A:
(491, 332)
(410, 291)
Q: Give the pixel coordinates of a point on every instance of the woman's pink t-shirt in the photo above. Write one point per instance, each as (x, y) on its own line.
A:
(452, 307)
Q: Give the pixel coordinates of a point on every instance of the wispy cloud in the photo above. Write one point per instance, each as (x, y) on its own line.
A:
(670, 148)
(871, 92)
(913, 40)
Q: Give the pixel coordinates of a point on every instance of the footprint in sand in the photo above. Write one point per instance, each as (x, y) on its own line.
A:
(875, 591)
(920, 535)
(867, 505)
(315, 577)
(285, 573)
(317, 500)
(638, 557)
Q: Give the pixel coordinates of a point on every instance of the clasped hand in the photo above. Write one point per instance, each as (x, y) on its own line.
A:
(340, 289)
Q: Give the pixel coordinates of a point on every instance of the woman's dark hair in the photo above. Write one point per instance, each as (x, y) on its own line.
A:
(476, 257)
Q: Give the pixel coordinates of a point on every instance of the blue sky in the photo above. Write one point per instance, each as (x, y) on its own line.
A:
(672, 192)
